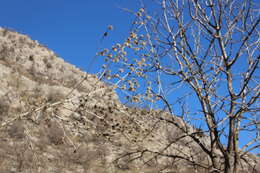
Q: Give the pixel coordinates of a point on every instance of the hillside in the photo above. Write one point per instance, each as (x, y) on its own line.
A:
(56, 118)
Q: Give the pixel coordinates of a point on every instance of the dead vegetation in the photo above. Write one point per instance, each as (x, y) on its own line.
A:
(54, 118)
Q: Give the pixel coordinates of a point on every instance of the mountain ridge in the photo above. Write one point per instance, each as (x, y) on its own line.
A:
(56, 118)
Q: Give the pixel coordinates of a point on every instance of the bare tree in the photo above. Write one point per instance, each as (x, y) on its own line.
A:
(200, 61)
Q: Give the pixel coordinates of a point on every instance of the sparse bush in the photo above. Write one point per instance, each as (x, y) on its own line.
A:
(22, 40)
(54, 95)
(31, 58)
(4, 53)
(71, 82)
(48, 65)
(16, 130)
(33, 98)
(55, 133)
(4, 108)
(33, 70)
(45, 60)
(5, 32)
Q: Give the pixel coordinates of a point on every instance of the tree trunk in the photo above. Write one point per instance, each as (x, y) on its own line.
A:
(230, 164)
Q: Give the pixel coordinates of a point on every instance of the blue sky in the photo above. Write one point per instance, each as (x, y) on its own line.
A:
(72, 29)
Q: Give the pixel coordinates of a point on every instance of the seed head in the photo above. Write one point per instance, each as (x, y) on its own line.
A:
(110, 27)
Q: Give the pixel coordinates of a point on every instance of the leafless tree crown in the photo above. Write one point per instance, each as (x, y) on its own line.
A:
(200, 61)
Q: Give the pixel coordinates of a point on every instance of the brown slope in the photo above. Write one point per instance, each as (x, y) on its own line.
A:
(43, 129)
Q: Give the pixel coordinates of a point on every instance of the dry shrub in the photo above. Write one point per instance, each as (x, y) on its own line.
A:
(16, 130)
(4, 108)
(4, 53)
(54, 95)
(70, 80)
(48, 65)
(55, 133)
(31, 58)
(16, 80)
(5, 32)
(34, 97)
(81, 155)
(43, 141)
(15, 157)
(89, 157)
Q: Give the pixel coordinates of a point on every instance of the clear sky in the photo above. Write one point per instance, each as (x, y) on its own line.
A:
(72, 29)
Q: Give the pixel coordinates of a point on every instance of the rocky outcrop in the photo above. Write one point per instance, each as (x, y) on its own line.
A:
(56, 118)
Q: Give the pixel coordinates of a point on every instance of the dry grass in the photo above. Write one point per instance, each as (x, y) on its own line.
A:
(84, 134)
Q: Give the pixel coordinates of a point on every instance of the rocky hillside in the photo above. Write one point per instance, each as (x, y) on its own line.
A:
(54, 118)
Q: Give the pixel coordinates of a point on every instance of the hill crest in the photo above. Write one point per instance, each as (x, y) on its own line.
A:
(56, 118)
